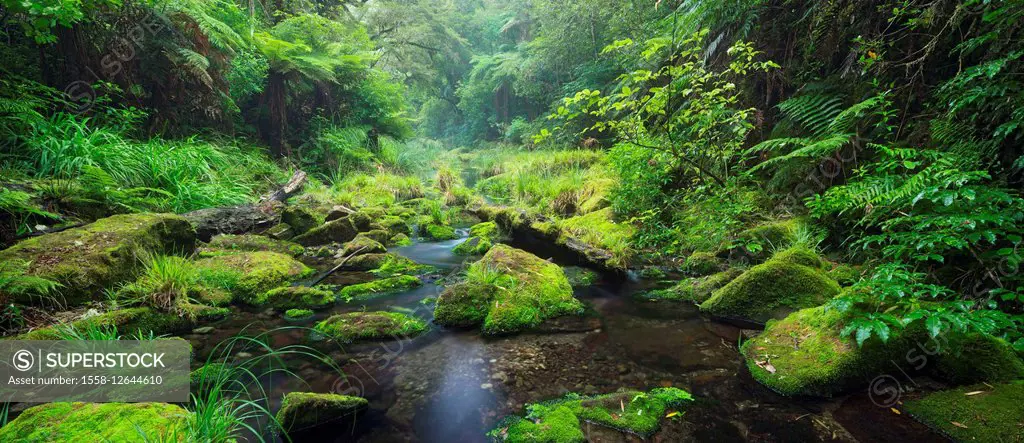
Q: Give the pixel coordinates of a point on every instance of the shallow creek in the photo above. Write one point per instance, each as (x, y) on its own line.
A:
(453, 386)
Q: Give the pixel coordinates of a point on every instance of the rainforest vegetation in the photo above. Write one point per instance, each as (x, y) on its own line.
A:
(583, 220)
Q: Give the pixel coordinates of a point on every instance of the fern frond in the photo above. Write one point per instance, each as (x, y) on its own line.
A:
(815, 113)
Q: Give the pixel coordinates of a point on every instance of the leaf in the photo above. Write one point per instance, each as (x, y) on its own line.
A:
(934, 325)
(959, 425)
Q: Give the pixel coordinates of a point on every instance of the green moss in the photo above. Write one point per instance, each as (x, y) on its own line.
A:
(298, 314)
(558, 421)
(773, 235)
(248, 242)
(580, 277)
(700, 264)
(287, 297)
(390, 265)
(300, 410)
(89, 259)
(772, 290)
(652, 272)
(280, 231)
(380, 287)
(994, 415)
(799, 255)
(131, 320)
(523, 289)
(394, 225)
(488, 230)
(363, 244)
(250, 275)
(473, 246)
(121, 422)
(355, 326)
(681, 291)
(301, 219)
(601, 239)
(361, 220)
(844, 274)
(439, 232)
(206, 374)
(974, 358)
(399, 240)
(694, 289)
(337, 231)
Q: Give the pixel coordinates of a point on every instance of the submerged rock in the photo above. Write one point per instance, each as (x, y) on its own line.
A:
(473, 246)
(89, 259)
(508, 290)
(303, 410)
(559, 421)
(981, 413)
(482, 237)
(298, 314)
(380, 287)
(791, 280)
(251, 243)
(338, 231)
(249, 275)
(355, 326)
(124, 422)
(580, 277)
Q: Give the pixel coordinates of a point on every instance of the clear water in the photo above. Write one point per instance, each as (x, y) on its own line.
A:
(454, 386)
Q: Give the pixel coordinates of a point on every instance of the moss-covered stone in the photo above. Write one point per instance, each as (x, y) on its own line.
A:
(89, 259)
(120, 422)
(772, 290)
(287, 297)
(355, 326)
(694, 289)
(399, 240)
(799, 255)
(395, 225)
(206, 374)
(580, 277)
(298, 314)
(250, 275)
(772, 235)
(844, 274)
(338, 231)
(599, 237)
(380, 287)
(520, 289)
(439, 232)
(473, 246)
(303, 410)
(973, 358)
(652, 273)
(132, 320)
(249, 242)
(558, 421)
(301, 219)
(361, 220)
(280, 231)
(378, 235)
(701, 263)
(488, 230)
(980, 413)
(364, 245)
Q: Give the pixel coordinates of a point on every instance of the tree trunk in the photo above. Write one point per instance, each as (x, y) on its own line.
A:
(278, 114)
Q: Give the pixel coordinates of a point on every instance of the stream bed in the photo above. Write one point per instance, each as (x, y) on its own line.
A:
(454, 385)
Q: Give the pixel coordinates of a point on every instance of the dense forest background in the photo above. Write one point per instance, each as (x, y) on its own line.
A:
(892, 127)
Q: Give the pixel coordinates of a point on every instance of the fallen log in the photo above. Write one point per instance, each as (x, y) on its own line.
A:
(245, 219)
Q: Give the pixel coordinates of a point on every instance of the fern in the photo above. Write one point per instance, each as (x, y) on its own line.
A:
(815, 113)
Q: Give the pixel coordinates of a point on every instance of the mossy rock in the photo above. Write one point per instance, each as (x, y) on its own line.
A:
(364, 245)
(694, 289)
(990, 414)
(377, 235)
(521, 290)
(439, 232)
(206, 374)
(303, 410)
(799, 255)
(131, 320)
(380, 287)
(355, 326)
(399, 240)
(402, 212)
(772, 235)
(395, 225)
(361, 221)
(473, 246)
(487, 230)
(974, 357)
(91, 258)
(558, 421)
(772, 290)
(249, 275)
(120, 422)
(301, 219)
(580, 277)
(251, 243)
(844, 274)
(280, 231)
(652, 273)
(701, 263)
(298, 314)
(288, 297)
(598, 237)
(337, 231)
(369, 262)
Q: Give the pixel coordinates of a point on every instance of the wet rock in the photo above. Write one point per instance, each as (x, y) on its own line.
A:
(295, 297)
(203, 330)
(227, 243)
(338, 212)
(339, 231)
(233, 220)
(305, 410)
(280, 231)
(95, 422)
(362, 244)
(354, 326)
(301, 219)
(249, 275)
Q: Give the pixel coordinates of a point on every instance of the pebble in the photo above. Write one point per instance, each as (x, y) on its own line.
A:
(203, 330)
(486, 386)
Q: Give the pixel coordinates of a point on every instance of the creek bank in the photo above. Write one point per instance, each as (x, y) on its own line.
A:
(96, 422)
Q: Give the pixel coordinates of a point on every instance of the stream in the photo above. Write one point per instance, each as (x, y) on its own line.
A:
(454, 385)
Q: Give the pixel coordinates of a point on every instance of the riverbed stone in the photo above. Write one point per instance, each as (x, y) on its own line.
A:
(289, 297)
(301, 219)
(362, 244)
(438, 232)
(91, 258)
(338, 231)
(304, 410)
(249, 275)
(772, 290)
(380, 287)
(124, 422)
(354, 326)
(507, 291)
(227, 243)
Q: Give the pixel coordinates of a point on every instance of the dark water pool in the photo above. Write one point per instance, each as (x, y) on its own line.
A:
(453, 386)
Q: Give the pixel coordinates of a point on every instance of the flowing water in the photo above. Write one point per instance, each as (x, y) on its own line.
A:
(453, 385)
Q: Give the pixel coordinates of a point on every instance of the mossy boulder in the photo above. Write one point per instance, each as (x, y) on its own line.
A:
(700, 264)
(249, 275)
(394, 225)
(377, 235)
(251, 243)
(518, 290)
(298, 314)
(598, 237)
(580, 277)
(337, 231)
(773, 235)
(380, 287)
(361, 220)
(301, 219)
(399, 240)
(288, 297)
(303, 410)
(974, 357)
(773, 289)
(473, 246)
(91, 258)
(383, 265)
(362, 244)
(980, 413)
(439, 232)
(280, 231)
(131, 320)
(694, 289)
(355, 326)
(633, 412)
(844, 274)
(120, 422)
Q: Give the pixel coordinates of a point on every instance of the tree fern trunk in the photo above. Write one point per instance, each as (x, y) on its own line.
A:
(278, 113)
